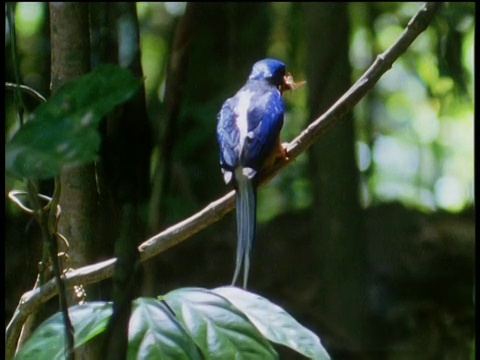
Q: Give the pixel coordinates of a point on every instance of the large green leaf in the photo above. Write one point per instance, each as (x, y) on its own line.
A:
(63, 130)
(188, 323)
(154, 333)
(219, 329)
(274, 323)
(48, 340)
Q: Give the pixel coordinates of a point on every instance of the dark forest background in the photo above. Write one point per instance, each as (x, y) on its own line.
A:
(367, 239)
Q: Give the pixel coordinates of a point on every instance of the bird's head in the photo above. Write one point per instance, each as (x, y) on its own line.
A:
(274, 72)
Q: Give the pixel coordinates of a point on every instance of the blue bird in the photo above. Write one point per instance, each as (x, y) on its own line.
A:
(248, 132)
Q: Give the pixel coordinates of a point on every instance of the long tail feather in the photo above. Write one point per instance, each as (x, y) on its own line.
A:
(246, 203)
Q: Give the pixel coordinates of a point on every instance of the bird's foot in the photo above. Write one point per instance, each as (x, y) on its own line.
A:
(284, 147)
(281, 155)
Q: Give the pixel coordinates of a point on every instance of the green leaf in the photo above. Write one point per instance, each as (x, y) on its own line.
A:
(154, 333)
(219, 329)
(188, 323)
(48, 340)
(63, 130)
(275, 323)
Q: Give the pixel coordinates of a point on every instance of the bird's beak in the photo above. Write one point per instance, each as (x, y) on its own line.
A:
(290, 84)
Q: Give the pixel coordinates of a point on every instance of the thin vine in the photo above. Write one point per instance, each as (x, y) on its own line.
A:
(46, 216)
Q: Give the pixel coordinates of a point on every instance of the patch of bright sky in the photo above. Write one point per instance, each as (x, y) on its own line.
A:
(396, 157)
(428, 168)
(363, 155)
(399, 78)
(175, 8)
(450, 193)
(408, 9)
(360, 50)
(388, 190)
(425, 124)
(457, 131)
(127, 33)
(400, 111)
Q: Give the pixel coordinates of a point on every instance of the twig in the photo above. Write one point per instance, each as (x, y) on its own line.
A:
(31, 300)
(26, 89)
(47, 223)
(217, 209)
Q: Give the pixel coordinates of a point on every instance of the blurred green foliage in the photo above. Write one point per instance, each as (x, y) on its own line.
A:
(63, 131)
(415, 129)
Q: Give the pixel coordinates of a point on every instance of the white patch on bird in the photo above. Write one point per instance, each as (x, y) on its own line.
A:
(248, 172)
(242, 119)
(227, 176)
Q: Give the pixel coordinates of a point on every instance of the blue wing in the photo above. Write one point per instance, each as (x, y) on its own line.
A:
(228, 137)
(265, 123)
(264, 116)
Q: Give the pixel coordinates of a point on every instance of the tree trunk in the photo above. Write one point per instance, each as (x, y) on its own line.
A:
(78, 200)
(340, 245)
(70, 39)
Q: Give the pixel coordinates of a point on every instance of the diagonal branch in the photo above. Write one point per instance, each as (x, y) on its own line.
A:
(217, 209)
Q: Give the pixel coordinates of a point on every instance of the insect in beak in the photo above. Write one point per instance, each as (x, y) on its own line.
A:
(290, 84)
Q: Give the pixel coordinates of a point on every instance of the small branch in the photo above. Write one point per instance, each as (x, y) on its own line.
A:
(48, 231)
(217, 209)
(35, 94)
(31, 300)
(188, 227)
